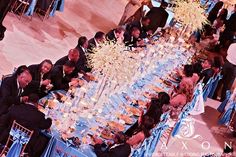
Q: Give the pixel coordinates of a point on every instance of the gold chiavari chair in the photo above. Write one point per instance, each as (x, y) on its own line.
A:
(44, 14)
(20, 6)
(16, 127)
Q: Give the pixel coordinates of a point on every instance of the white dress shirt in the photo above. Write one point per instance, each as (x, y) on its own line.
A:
(231, 54)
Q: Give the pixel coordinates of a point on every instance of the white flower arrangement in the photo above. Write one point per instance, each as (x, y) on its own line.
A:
(111, 59)
(189, 13)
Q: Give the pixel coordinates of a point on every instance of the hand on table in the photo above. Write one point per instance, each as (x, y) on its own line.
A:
(46, 82)
(24, 99)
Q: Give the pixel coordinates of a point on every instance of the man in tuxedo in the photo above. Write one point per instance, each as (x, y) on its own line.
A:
(132, 39)
(158, 16)
(82, 47)
(12, 88)
(94, 42)
(141, 25)
(27, 115)
(41, 81)
(116, 34)
(62, 76)
(207, 71)
(73, 56)
(4, 8)
(119, 149)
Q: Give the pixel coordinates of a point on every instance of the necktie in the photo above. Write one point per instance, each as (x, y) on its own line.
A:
(20, 91)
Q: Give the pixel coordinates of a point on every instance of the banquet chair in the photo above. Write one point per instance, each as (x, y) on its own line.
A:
(20, 6)
(44, 13)
(17, 141)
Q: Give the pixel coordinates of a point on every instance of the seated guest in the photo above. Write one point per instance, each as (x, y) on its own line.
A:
(27, 115)
(82, 48)
(207, 71)
(62, 76)
(116, 35)
(188, 74)
(95, 41)
(12, 88)
(142, 132)
(197, 68)
(180, 97)
(132, 39)
(41, 81)
(73, 56)
(119, 149)
(141, 25)
(154, 110)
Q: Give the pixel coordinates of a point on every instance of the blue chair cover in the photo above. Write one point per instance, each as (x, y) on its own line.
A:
(187, 108)
(214, 85)
(31, 8)
(207, 88)
(19, 139)
(227, 115)
(221, 108)
(148, 146)
(55, 6)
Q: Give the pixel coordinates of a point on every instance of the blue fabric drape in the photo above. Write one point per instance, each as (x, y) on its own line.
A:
(187, 108)
(19, 138)
(31, 8)
(55, 7)
(148, 146)
(214, 85)
(207, 89)
(227, 115)
(221, 108)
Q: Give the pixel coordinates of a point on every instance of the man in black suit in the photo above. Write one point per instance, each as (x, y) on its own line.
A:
(132, 38)
(12, 88)
(82, 48)
(41, 81)
(141, 25)
(62, 76)
(116, 34)
(158, 16)
(5, 5)
(27, 115)
(73, 56)
(230, 29)
(119, 149)
(94, 42)
(207, 71)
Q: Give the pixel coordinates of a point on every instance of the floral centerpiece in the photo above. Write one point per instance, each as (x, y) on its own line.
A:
(190, 14)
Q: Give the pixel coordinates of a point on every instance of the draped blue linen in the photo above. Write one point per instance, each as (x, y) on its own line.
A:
(185, 112)
(207, 89)
(214, 85)
(31, 8)
(227, 115)
(148, 146)
(19, 138)
(55, 7)
(221, 108)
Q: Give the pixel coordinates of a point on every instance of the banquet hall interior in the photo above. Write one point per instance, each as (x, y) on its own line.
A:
(117, 78)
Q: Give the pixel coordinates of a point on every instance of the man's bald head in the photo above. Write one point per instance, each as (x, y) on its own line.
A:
(73, 55)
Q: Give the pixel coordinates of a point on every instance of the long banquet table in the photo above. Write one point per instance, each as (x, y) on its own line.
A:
(91, 115)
